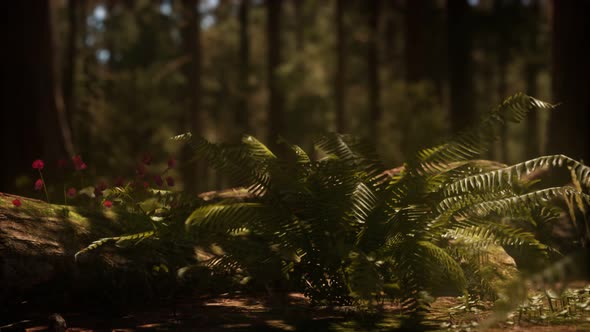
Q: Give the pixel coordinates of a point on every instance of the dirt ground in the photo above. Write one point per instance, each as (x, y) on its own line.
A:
(236, 312)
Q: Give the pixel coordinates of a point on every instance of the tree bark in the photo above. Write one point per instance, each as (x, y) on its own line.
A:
(415, 41)
(29, 123)
(275, 98)
(37, 246)
(569, 128)
(194, 174)
(462, 111)
(373, 69)
(340, 77)
(242, 112)
(69, 70)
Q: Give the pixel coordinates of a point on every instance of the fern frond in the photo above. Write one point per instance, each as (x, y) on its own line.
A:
(118, 239)
(477, 140)
(226, 217)
(490, 181)
(509, 205)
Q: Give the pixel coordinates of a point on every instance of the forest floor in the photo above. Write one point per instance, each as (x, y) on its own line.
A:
(237, 312)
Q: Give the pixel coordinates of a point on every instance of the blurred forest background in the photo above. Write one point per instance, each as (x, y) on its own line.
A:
(113, 80)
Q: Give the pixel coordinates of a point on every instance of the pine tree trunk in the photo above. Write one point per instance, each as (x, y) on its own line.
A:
(276, 98)
(569, 127)
(194, 174)
(462, 112)
(340, 77)
(373, 70)
(29, 122)
(242, 112)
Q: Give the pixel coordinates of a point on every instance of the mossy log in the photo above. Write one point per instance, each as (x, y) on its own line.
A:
(38, 242)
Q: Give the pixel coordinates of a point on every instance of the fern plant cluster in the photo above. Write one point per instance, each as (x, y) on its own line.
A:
(345, 229)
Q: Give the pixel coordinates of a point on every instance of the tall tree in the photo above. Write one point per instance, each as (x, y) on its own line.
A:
(299, 25)
(373, 69)
(244, 71)
(69, 68)
(415, 41)
(340, 77)
(569, 131)
(461, 111)
(29, 123)
(534, 62)
(194, 175)
(276, 97)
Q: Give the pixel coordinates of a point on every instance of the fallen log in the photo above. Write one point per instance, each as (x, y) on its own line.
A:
(38, 242)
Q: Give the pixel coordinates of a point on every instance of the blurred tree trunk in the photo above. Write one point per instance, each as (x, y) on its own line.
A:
(503, 94)
(242, 113)
(373, 69)
(462, 111)
(569, 131)
(69, 72)
(29, 120)
(531, 73)
(194, 174)
(340, 84)
(276, 98)
(299, 25)
(415, 41)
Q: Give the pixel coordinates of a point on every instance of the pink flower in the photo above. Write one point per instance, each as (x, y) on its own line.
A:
(147, 159)
(38, 164)
(171, 162)
(108, 204)
(79, 165)
(145, 185)
(98, 189)
(140, 170)
(170, 181)
(158, 180)
(38, 184)
(71, 192)
(62, 163)
(16, 202)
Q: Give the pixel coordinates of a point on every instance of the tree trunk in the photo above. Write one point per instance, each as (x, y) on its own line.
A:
(194, 174)
(532, 121)
(340, 77)
(275, 98)
(244, 71)
(299, 25)
(415, 41)
(373, 69)
(69, 70)
(462, 112)
(37, 246)
(29, 122)
(569, 131)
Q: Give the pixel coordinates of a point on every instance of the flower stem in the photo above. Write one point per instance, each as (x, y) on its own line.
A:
(44, 187)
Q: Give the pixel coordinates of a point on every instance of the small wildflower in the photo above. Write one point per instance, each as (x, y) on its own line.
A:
(158, 180)
(79, 165)
(170, 181)
(62, 163)
(145, 185)
(38, 184)
(171, 162)
(38, 164)
(98, 189)
(108, 204)
(16, 202)
(140, 170)
(71, 192)
(147, 159)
